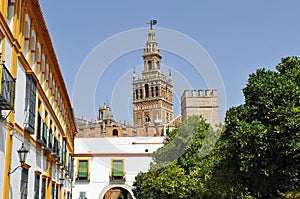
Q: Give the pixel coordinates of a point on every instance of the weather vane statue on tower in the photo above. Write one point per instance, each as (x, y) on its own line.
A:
(152, 23)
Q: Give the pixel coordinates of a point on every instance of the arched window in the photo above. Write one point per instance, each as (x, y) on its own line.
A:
(156, 91)
(158, 65)
(26, 39)
(32, 48)
(149, 65)
(10, 12)
(152, 91)
(147, 118)
(115, 132)
(136, 94)
(141, 94)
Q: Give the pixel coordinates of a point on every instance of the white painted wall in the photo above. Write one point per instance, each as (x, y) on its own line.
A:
(3, 129)
(20, 95)
(7, 54)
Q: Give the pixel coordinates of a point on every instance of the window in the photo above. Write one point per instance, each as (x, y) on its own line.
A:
(70, 159)
(156, 91)
(53, 190)
(63, 152)
(147, 118)
(117, 170)
(83, 170)
(39, 133)
(10, 12)
(36, 186)
(158, 65)
(43, 190)
(141, 94)
(152, 91)
(26, 35)
(30, 104)
(55, 147)
(42, 131)
(149, 65)
(32, 48)
(136, 94)
(50, 139)
(24, 183)
(58, 153)
(57, 192)
(147, 90)
(7, 86)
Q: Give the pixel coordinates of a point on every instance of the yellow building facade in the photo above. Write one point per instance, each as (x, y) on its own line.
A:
(35, 109)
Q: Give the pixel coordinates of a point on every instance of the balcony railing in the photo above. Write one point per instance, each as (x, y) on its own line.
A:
(117, 179)
(83, 178)
(7, 88)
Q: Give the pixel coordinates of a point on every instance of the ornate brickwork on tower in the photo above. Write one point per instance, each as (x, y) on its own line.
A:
(153, 92)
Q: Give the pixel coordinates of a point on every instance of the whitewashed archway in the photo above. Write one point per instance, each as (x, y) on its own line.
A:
(110, 186)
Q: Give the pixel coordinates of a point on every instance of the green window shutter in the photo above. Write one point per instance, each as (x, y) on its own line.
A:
(83, 169)
(30, 104)
(117, 168)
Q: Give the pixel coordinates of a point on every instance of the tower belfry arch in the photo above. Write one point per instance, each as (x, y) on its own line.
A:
(153, 92)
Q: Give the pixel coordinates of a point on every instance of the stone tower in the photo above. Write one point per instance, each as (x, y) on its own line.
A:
(203, 103)
(153, 92)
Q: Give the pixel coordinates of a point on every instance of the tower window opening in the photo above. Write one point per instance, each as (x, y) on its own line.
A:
(158, 65)
(149, 65)
(152, 91)
(147, 118)
(141, 94)
(147, 90)
(156, 91)
(136, 94)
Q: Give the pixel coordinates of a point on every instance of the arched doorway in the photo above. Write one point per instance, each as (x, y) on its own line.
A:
(115, 133)
(116, 191)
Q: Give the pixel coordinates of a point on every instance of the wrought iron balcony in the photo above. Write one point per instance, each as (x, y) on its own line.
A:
(117, 179)
(83, 177)
(7, 88)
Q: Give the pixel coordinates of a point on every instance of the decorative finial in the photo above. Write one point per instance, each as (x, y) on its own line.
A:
(170, 74)
(134, 75)
(152, 23)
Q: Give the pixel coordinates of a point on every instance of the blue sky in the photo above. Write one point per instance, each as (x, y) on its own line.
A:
(239, 36)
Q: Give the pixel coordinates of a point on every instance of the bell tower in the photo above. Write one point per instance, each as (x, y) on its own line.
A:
(153, 92)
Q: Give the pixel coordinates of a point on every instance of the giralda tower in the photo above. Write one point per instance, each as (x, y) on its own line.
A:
(153, 92)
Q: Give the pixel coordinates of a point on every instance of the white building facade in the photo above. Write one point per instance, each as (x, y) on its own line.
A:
(107, 166)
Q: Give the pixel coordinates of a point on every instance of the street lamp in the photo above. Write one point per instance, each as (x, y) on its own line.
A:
(22, 152)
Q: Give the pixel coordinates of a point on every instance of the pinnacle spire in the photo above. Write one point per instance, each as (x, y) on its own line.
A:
(151, 44)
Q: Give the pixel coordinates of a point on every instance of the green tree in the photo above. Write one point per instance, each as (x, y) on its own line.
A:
(260, 148)
(179, 169)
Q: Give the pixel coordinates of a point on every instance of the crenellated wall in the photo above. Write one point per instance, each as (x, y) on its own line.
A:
(201, 102)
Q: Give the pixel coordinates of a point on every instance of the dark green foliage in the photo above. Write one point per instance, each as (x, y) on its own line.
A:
(178, 170)
(261, 143)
